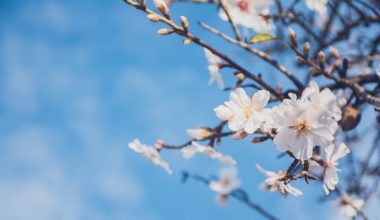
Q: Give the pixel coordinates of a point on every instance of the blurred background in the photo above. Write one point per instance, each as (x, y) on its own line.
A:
(81, 79)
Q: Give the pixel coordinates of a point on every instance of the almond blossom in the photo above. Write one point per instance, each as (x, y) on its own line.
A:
(350, 206)
(151, 154)
(330, 176)
(189, 151)
(318, 6)
(227, 181)
(243, 112)
(214, 68)
(250, 14)
(301, 127)
(198, 133)
(273, 183)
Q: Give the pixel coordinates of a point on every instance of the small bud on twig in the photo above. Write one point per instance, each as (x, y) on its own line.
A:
(306, 49)
(293, 37)
(334, 52)
(162, 7)
(321, 59)
(165, 31)
(187, 41)
(153, 17)
(184, 23)
(240, 76)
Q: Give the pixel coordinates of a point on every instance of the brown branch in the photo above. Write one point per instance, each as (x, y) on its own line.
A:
(264, 56)
(180, 31)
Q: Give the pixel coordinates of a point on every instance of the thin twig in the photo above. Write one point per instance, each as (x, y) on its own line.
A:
(239, 195)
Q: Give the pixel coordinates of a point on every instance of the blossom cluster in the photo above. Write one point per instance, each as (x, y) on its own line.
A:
(297, 125)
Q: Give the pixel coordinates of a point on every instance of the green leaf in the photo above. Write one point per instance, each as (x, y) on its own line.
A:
(261, 38)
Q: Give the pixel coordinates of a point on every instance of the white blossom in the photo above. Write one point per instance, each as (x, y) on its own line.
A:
(301, 127)
(350, 206)
(189, 151)
(150, 153)
(330, 175)
(198, 133)
(378, 70)
(243, 112)
(227, 181)
(273, 183)
(249, 14)
(324, 100)
(318, 6)
(214, 68)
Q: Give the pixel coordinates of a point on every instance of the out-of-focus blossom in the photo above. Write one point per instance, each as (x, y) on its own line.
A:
(227, 181)
(318, 6)
(243, 112)
(378, 70)
(189, 151)
(342, 96)
(350, 206)
(273, 183)
(249, 14)
(330, 176)
(301, 127)
(198, 133)
(214, 68)
(150, 153)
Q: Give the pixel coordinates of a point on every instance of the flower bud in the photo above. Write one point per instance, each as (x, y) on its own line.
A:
(293, 37)
(184, 23)
(321, 59)
(334, 52)
(153, 17)
(162, 7)
(165, 31)
(187, 41)
(306, 49)
(199, 133)
(240, 76)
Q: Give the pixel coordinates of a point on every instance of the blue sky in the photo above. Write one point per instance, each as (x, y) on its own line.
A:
(79, 80)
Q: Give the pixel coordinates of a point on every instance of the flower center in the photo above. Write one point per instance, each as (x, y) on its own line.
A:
(248, 111)
(301, 126)
(243, 5)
